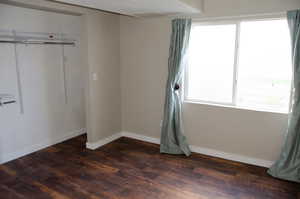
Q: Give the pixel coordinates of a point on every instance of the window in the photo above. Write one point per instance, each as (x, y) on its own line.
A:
(245, 64)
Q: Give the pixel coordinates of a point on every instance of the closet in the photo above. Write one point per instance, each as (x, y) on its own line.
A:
(41, 80)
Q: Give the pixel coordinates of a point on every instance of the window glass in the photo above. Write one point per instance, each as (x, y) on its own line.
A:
(264, 79)
(255, 74)
(211, 63)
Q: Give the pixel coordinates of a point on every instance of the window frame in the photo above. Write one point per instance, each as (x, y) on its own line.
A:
(237, 22)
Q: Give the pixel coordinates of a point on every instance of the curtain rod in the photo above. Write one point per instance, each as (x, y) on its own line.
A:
(38, 42)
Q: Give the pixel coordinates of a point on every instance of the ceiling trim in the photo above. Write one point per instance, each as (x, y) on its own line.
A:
(90, 8)
(37, 7)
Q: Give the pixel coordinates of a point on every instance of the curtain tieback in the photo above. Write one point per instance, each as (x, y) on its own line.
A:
(176, 87)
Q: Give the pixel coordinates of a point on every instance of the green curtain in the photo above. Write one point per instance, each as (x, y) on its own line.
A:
(172, 139)
(288, 165)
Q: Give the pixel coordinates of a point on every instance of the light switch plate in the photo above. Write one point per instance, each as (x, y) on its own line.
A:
(95, 76)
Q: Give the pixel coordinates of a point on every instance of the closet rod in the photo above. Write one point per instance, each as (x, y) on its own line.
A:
(38, 42)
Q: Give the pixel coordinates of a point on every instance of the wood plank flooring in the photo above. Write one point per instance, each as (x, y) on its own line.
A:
(131, 169)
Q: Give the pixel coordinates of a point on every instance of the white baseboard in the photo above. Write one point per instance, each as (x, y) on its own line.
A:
(207, 151)
(102, 142)
(141, 137)
(17, 154)
(196, 149)
(231, 156)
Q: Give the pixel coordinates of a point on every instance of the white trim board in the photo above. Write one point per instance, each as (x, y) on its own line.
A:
(26, 151)
(141, 137)
(196, 149)
(103, 142)
(231, 156)
(207, 151)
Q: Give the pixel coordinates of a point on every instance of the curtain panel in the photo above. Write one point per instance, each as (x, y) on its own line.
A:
(173, 140)
(287, 167)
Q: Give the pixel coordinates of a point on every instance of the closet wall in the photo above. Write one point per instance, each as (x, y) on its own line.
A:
(50, 106)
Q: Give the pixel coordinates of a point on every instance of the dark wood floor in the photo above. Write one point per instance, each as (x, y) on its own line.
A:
(128, 168)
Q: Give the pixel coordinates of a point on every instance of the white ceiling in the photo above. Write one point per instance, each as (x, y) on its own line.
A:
(142, 7)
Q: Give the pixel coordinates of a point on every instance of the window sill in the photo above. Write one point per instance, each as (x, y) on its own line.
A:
(233, 107)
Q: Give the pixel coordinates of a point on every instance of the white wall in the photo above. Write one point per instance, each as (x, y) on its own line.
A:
(46, 118)
(104, 95)
(144, 55)
(217, 8)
